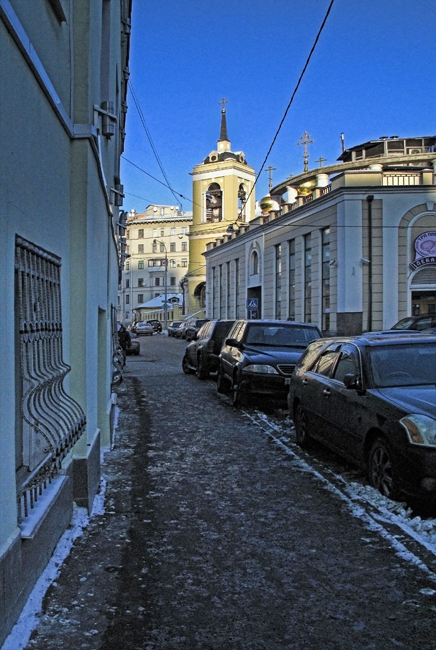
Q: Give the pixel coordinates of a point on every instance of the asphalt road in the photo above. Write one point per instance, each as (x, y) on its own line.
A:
(213, 538)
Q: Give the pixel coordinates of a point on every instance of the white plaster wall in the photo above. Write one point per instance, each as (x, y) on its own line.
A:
(349, 268)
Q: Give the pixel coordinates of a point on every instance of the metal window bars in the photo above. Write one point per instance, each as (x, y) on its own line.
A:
(52, 421)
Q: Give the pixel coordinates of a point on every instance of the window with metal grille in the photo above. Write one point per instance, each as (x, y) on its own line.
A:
(49, 421)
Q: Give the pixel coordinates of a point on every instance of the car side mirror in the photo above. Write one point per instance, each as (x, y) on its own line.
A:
(234, 343)
(351, 381)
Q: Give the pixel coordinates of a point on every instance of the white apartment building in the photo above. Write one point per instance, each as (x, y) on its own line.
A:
(157, 258)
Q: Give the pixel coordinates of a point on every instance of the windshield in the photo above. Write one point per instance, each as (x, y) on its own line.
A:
(404, 365)
(280, 336)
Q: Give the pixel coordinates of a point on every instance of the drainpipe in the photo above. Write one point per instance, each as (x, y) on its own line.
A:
(369, 200)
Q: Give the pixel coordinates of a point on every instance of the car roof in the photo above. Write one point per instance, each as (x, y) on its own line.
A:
(272, 321)
(387, 337)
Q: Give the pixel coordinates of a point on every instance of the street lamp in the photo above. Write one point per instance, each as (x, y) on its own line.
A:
(156, 241)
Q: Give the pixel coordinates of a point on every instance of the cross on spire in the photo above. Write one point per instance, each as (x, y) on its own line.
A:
(270, 169)
(305, 140)
(223, 103)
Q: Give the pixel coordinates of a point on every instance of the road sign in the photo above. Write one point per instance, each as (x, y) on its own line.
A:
(252, 304)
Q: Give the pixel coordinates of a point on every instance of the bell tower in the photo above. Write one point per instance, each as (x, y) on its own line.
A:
(223, 199)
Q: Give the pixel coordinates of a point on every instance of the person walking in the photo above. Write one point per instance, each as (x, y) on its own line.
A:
(124, 339)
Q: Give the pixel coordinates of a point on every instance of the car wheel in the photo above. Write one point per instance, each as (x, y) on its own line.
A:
(137, 353)
(202, 371)
(382, 471)
(185, 365)
(222, 385)
(302, 436)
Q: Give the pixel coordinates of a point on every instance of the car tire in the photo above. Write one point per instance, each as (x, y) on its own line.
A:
(185, 365)
(202, 371)
(137, 353)
(222, 385)
(382, 469)
(302, 436)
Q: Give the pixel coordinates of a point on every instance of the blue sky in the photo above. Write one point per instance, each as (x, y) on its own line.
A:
(372, 74)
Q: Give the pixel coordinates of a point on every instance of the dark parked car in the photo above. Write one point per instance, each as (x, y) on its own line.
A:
(372, 399)
(202, 354)
(134, 345)
(423, 322)
(173, 326)
(193, 327)
(259, 356)
(156, 325)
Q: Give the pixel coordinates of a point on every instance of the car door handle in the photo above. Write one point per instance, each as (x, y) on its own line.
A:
(326, 392)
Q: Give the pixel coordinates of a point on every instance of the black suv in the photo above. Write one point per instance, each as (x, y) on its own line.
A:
(156, 325)
(202, 354)
(259, 357)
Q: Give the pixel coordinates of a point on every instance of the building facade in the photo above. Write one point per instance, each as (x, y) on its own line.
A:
(157, 249)
(62, 126)
(223, 198)
(350, 247)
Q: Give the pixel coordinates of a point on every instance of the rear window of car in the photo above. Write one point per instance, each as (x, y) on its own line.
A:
(404, 365)
(278, 335)
(221, 330)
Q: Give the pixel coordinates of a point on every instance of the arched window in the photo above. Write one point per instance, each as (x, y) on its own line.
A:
(214, 203)
(254, 270)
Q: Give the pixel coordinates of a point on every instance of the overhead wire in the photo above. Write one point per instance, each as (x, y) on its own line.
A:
(150, 139)
(291, 100)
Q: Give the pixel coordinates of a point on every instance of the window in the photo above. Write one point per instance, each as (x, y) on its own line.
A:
(307, 279)
(140, 298)
(154, 232)
(162, 247)
(157, 282)
(291, 280)
(172, 264)
(213, 203)
(162, 232)
(184, 246)
(127, 266)
(140, 282)
(141, 264)
(184, 230)
(184, 262)
(278, 281)
(49, 422)
(172, 231)
(325, 279)
(127, 283)
(254, 270)
(172, 281)
(154, 247)
(141, 233)
(127, 299)
(172, 247)
(140, 248)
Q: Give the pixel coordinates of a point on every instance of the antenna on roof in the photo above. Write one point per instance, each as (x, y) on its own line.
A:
(343, 142)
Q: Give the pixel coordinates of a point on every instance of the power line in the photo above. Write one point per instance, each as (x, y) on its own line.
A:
(291, 100)
(150, 139)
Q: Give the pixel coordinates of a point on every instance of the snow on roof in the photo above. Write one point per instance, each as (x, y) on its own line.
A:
(159, 301)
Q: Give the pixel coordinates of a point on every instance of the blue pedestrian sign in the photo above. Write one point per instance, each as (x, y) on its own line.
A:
(252, 304)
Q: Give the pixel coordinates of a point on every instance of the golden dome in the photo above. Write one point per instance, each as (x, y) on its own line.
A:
(267, 204)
